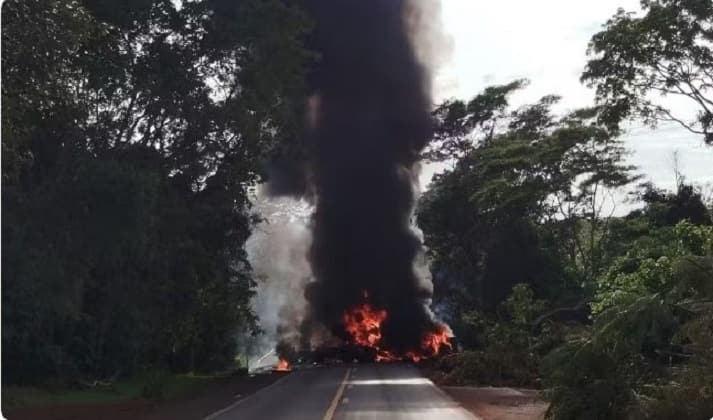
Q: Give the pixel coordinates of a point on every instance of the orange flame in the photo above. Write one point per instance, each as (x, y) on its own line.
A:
(282, 366)
(363, 323)
(433, 342)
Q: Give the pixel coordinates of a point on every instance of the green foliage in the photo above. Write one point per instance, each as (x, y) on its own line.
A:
(667, 209)
(648, 353)
(154, 386)
(523, 203)
(584, 383)
(515, 171)
(465, 368)
(628, 334)
(522, 307)
(667, 51)
(689, 393)
(460, 123)
(174, 386)
(507, 349)
(672, 261)
(130, 138)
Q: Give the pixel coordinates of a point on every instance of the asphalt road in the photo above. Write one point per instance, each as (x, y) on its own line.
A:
(348, 392)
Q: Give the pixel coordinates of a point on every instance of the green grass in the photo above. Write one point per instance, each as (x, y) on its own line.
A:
(16, 396)
(175, 386)
(180, 386)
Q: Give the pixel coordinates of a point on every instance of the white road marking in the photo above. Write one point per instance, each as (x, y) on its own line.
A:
(240, 401)
(329, 415)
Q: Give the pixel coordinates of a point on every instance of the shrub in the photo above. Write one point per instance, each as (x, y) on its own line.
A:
(508, 348)
(649, 354)
(155, 383)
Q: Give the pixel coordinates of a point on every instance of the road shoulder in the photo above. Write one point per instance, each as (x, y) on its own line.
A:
(490, 403)
(218, 395)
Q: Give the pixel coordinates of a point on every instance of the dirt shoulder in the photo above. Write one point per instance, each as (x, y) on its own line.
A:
(499, 403)
(215, 396)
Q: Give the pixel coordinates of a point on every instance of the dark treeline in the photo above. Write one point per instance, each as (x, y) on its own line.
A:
(612, 316)
(131, 133)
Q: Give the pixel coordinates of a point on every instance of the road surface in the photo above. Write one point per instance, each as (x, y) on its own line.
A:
(348, 392)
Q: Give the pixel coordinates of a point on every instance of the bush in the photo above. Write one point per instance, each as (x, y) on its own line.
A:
(488, 368)
(155, 383)
(649, 354)
(585, 383)
(466, 368)
(509, 348)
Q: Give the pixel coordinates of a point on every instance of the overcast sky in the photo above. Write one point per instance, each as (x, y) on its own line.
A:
(494, 42)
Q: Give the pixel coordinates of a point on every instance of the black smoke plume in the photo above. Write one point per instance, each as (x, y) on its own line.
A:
(370, 117)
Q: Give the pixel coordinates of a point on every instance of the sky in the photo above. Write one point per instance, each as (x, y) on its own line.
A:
(495, 42)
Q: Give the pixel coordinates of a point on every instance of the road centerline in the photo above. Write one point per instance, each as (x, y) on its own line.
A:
(329, 415)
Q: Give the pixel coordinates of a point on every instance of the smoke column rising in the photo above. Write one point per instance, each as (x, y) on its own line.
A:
(371, 118)
(277, 251)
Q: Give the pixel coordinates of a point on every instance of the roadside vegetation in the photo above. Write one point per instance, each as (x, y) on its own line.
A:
(544, 284)
(151, 385)
(131, 136)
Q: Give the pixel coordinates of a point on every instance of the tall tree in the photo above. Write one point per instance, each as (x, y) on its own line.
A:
(636, 60)
(130, 137)
(485, 213)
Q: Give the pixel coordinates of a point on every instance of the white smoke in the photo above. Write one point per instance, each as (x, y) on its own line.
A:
(277, 251)
(432, 45)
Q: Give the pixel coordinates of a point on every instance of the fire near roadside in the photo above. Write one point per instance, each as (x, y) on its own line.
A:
(363, 324)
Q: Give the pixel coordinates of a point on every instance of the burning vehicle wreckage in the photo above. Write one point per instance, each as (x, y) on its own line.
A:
(368, 116)
(362, 341)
